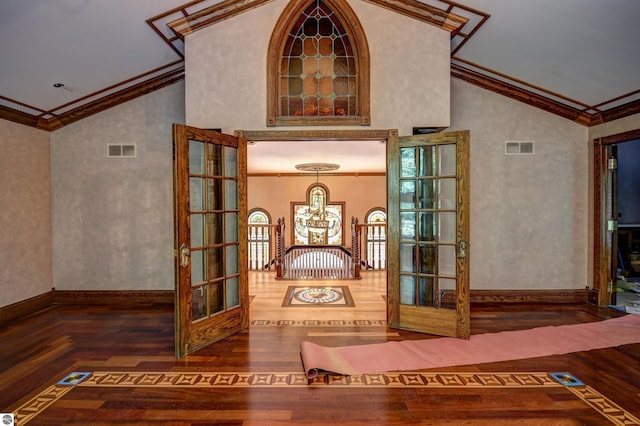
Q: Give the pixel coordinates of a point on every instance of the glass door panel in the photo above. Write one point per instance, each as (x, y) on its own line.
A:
(425, 186)
(211, 222)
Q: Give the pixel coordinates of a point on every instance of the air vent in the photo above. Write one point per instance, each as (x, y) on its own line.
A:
(122, 151)
(519, 148)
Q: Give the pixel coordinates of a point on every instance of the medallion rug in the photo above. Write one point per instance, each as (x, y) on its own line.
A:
(480, 348)
(339, 296)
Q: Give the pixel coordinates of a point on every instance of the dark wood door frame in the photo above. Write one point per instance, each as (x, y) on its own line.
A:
(602, 239)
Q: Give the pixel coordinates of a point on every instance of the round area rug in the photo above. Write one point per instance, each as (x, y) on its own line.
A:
(318, 295)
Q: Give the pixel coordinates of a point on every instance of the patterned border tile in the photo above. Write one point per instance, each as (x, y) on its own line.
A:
(317, 323)
(402, 379)
(605, 406)
(614, 413)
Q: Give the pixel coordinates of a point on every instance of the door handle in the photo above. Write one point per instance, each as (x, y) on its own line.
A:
(185, 253)
(462, 249)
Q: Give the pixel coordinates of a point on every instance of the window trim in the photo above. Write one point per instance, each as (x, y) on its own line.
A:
(360, 47)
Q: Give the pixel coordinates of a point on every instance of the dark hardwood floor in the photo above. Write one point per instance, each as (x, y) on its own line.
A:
(256, 377)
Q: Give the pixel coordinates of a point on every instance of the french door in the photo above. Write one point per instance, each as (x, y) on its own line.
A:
(428, 233)
(211, 290)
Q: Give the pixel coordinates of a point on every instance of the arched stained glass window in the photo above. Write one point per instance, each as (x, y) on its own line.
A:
(318, 66)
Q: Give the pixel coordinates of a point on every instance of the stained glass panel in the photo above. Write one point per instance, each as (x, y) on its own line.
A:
(318, 66)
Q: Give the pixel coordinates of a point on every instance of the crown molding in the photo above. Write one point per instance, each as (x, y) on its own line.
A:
(60, 120)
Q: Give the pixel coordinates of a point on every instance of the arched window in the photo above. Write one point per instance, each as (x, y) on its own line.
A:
(318, 66)
(376, 239)
(259, 240)
(317, 220)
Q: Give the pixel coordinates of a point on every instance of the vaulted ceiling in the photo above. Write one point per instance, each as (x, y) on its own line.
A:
(63, 60)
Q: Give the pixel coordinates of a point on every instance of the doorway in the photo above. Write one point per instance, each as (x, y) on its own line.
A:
(277, 186)
(427, 199)
(428, 221)
(627, 296)
(606, 228)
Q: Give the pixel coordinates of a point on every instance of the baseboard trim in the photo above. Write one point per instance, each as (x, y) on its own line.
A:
(529, 296)
(113, 297)
(26, 307)
(138, 297)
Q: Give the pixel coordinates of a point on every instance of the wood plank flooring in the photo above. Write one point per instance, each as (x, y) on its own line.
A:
(256, 378)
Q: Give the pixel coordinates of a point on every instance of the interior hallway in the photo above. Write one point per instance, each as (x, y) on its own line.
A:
(256, 377)
(369, 295)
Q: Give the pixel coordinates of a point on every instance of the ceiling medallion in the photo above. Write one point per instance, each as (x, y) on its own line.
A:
(317, 167)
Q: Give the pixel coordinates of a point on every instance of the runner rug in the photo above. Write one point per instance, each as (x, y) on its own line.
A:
(480, 348)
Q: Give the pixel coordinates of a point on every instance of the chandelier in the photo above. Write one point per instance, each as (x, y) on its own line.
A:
(317, 218)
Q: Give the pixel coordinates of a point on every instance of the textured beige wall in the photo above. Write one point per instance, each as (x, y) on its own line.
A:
(529, 214)
(226, 70)
(360, 195)
(25, 216)
(113, 217)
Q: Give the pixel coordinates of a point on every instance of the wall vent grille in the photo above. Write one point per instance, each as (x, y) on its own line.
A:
(519, 148)
(121, 151)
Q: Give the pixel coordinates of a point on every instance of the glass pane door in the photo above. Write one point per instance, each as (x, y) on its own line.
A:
(428, 191)
(210, 237)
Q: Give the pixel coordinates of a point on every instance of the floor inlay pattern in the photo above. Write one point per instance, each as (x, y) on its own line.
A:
(317, 323)
(614, 413)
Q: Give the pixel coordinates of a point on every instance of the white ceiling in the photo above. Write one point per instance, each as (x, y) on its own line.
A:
(351, 156)
(585, 50)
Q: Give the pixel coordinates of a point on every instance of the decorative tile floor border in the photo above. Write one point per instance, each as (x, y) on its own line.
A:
(614, 413)
(318, 323)
(396, 380)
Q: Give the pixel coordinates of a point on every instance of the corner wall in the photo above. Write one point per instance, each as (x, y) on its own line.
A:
(113, 217)
(529, 213)
(25, 216)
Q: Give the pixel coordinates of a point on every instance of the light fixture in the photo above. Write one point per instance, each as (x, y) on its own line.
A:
(317, 218)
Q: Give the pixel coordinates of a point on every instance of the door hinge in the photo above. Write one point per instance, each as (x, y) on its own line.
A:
(612, 225)
(610, 286)
(613, 164)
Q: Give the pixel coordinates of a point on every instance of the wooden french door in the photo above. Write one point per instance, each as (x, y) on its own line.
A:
(428, 233)
(211, 290)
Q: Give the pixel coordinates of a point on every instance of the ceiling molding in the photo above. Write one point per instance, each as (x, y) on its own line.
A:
(91, 108)
(118, 98)
(19, 117)
(210, 15)
(621, 111)
(444, 19)
(520, 94)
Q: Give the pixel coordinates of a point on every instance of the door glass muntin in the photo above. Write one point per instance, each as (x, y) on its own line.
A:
(427, 222)
(213, 204)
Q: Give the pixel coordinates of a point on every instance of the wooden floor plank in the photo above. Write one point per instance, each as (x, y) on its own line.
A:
(43, 348)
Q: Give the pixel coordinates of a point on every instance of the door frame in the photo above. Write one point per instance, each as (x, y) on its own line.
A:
(316, 135)
(190, 335)
(602, 238)
(390, 135)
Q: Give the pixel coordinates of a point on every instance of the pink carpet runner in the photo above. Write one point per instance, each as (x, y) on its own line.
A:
(480, 348)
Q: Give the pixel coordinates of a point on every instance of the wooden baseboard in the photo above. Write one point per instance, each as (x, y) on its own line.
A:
(137, 297)
(529, 296)
(113, 297)
(26, 307)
